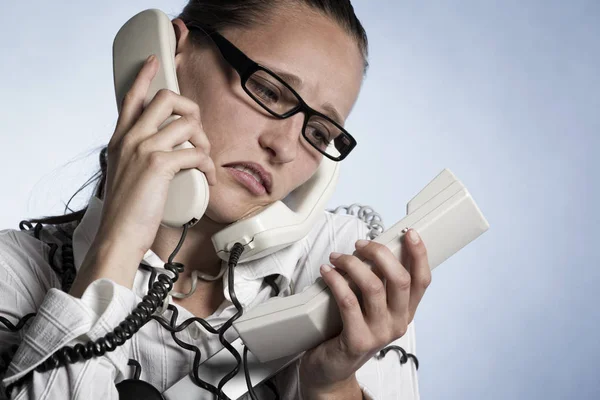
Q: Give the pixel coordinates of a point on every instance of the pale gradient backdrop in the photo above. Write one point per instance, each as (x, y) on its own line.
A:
(504, 93)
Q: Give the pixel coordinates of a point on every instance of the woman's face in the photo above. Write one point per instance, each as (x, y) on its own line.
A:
(328, 67)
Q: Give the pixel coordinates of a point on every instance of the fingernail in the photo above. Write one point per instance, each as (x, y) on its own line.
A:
(149, 59)
(361, 243)
(414, 236)
(334, 255)
(325, 268)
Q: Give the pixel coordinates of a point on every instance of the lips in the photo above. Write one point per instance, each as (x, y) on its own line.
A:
(252, 175)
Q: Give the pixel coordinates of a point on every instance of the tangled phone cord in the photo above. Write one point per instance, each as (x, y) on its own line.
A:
(173, 328)
(158, 289)
(365, 214)
(137, 319)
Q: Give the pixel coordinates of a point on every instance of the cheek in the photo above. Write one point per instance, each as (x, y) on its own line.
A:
(232, 131)
(301, 172)
(228, 121)
(217, 98)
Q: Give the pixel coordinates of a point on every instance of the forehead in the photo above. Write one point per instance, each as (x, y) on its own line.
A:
(326, 61)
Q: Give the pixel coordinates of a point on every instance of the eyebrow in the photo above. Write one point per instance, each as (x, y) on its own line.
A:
(296, 82)
(333, 113)
(291, 79)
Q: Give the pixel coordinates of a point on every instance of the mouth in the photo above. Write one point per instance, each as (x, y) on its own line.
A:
(252, 175)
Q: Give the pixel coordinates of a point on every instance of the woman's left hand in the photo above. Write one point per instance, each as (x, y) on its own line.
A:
(388, 307)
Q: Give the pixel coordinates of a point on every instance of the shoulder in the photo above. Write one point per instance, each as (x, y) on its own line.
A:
(24, 261)
(20, 247)
(334, 230)
(331, 232)
(340, 228)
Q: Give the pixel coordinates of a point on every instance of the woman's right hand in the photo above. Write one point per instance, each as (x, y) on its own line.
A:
(141, 164)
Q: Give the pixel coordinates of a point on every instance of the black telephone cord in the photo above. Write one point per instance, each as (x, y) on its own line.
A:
(158, 290)
(138, 318)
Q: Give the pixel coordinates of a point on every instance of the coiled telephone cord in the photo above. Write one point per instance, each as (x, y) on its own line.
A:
(143, 313)
(133, 322)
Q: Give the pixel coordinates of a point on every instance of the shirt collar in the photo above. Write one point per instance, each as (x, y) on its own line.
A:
(248, 275)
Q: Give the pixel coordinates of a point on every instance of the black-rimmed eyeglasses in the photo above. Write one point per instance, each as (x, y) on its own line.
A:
(279, 99)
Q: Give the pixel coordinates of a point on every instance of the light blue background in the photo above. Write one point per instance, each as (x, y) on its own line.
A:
(505, 94)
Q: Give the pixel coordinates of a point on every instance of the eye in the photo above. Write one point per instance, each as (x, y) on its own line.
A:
(318, 135)
(263, 90)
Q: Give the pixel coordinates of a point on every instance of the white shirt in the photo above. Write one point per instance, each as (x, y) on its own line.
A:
(28, 284)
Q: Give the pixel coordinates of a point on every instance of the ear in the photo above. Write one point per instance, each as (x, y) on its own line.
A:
(181, 36)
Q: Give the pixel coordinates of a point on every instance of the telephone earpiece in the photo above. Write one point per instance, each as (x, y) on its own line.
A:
(281, 223)
(151, 32)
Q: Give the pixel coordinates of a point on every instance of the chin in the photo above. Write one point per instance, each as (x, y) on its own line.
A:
(227, 208)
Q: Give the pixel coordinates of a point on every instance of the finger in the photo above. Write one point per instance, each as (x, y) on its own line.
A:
(200, 139)
(174, 134)
(372, 290)
(420, 270)
(398, 280)
(376, 271)
(350, 311)
(171, 162)
(133, 102)
(164, 105)
(197, 137)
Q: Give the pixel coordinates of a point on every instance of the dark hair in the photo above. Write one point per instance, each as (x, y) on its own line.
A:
(219, 15)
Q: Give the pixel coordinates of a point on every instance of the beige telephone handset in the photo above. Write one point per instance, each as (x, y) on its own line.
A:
(279, 224)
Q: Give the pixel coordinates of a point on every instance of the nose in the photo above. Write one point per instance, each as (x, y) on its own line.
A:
(281, 138)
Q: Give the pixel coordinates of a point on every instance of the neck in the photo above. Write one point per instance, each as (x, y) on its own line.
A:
(196, 254)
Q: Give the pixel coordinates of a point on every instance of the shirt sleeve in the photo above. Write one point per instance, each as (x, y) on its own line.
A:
(61, 320)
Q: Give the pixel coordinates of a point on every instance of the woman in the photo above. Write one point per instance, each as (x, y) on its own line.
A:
(317, 47)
